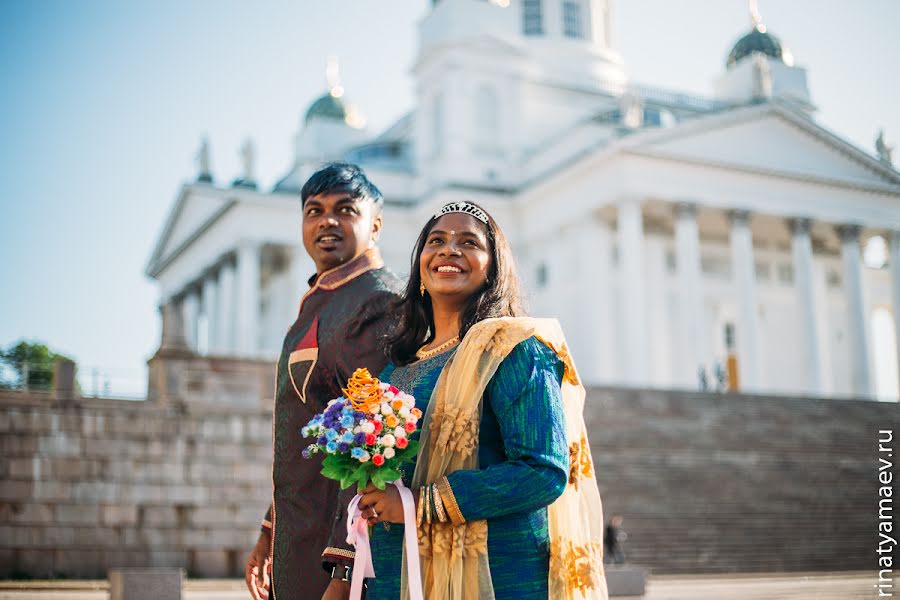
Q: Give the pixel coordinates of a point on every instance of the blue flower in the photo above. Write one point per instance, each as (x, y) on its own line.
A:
(322, 440)
(347, 438)
(359, 438)
(305, 431)
(331, 447)
(357, 452)
(348, 421)
(331, 434)
(305, 453)
(359, 415)
(343, 447)
(316, 419)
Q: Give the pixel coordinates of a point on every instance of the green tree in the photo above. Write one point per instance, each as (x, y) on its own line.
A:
(28, 363)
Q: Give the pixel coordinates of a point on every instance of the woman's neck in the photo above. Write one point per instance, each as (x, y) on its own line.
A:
(446, 322)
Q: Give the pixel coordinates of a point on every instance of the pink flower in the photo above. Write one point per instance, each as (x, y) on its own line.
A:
(370, 439)
(410, 427)
(402, 443)
(378, 460)
(393, 390)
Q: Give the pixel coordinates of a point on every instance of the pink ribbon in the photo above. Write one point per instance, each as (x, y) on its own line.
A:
(358, 536)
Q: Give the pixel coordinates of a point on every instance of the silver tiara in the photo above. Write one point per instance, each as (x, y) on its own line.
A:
(463, 207)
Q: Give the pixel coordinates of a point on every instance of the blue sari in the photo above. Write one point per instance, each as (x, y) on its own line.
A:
(523, 468)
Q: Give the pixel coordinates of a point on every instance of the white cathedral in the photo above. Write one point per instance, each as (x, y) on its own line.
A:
(676, 237)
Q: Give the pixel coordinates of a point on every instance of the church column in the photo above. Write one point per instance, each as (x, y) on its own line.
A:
(853, 287)
(210, 309)
(658, 323)
(595, 286)
(895, 287)
(224, 328)
(631, 286)
(248, 292)
(301, 269)
(190, 306)
(804, 275)
(744, 269)
(690, 295)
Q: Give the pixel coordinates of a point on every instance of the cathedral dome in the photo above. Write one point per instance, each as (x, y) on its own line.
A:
(327, 107)
(758, 40)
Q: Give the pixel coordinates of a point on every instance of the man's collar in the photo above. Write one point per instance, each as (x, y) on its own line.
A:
(341, 274)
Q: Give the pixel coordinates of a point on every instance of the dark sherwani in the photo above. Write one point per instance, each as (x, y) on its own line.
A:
(340, 327)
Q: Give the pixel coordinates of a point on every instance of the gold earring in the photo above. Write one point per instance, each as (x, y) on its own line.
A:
(422, 288)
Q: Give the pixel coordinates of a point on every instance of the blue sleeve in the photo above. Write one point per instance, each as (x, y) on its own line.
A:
(526, 398)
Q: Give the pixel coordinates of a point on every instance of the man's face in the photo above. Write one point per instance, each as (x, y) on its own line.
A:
(338, 228)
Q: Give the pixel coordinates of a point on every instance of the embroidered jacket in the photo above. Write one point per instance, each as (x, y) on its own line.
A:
(340, 327)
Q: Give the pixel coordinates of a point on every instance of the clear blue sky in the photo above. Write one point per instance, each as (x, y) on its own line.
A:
(103, 104)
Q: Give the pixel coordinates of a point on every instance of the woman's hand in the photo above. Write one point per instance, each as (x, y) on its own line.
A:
(384, 506)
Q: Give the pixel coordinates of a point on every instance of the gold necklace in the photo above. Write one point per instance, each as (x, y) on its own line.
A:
(423, 354)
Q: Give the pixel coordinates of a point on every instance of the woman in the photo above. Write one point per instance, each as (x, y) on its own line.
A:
(496, 448)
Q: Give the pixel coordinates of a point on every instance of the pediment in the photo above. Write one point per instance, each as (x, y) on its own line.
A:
(193, 211)
(769, 138)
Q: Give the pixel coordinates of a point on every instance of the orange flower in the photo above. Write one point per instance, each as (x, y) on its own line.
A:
(391, 421)
(363, 390)
(397, 404)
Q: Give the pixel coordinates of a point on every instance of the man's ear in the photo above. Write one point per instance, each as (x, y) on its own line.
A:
(376, 228)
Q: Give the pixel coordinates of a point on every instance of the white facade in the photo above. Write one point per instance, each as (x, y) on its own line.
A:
(649, 223)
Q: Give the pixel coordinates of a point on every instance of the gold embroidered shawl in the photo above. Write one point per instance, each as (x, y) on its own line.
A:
(454, 558)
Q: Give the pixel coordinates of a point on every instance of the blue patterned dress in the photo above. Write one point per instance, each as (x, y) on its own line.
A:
(524, 465)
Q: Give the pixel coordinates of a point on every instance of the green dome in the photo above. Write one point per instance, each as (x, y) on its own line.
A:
(756, 41)
(327, 107)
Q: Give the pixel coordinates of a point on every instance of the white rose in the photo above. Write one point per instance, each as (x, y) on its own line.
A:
(368, 427)
(404, 412)
(365, 457)
(386, 409)
(388, 453)
(377, 417)
(399, 431)
(388, 441)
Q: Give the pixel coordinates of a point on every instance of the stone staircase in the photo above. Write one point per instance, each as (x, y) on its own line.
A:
(739, 483)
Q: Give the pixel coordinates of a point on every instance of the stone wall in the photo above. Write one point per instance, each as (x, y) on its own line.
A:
(97, 484)
(706, 483)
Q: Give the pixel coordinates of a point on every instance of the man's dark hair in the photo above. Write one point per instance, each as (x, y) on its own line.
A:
(341, 178)
(500, 296)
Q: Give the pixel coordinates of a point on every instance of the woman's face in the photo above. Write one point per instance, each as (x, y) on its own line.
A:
(456, 258)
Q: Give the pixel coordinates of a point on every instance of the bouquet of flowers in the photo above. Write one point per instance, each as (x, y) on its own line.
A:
(365, 434)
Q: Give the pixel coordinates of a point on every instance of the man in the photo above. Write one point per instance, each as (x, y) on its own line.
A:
(340, 327)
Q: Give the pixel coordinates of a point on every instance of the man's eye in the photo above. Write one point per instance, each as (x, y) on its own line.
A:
(312, 211)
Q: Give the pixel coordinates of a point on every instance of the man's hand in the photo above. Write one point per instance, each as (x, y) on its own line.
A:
(338, 589)
(258, 568)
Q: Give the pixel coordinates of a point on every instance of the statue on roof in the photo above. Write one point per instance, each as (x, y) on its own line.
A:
(762, 77)
(203, 169)
(247, 159)
(884, 151)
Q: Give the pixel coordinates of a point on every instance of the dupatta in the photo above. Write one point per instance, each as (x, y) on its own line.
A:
(454, 557)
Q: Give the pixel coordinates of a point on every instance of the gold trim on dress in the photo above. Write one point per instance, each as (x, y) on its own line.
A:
(331, 551)
(297, 356)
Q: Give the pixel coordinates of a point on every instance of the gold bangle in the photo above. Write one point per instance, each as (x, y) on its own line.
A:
(420, 514)
(438, 504)
(428, 504)
(450, 505)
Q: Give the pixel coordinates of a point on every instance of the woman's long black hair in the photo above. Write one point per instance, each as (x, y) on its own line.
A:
(499, 297)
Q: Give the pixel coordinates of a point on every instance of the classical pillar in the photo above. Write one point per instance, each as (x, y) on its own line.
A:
(804, 275)
(895, 287)
(247, 312)
(210, 309)
(858, 333)
(631, 287)
(223, 342)
(301, 269)
(659, 341)
(744, 270)
(190, 305)
(595, 360)
(692, 328)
